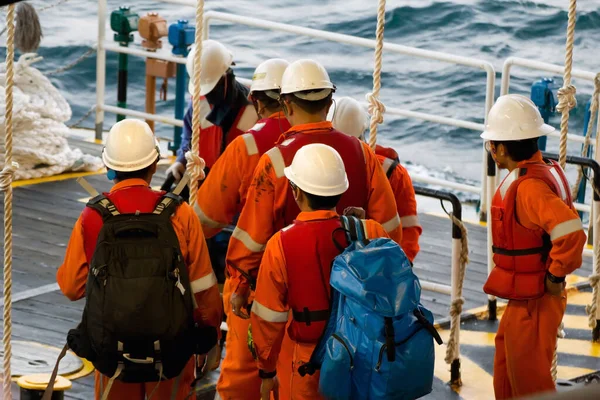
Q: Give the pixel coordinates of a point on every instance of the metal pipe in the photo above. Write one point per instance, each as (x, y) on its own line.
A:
(436, 287)
(435, 118)
(150, 97)
(122, 84)
(447, 184)
(138, 114)
(160, 55)
(100, 68)
(180, 89)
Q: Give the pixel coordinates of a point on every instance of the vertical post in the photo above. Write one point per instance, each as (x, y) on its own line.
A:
(595, 231)
(455, 375)
(100, 68)
(491, 174)
(122, 83)
(150, 93)
(582, 185)
(180, 90)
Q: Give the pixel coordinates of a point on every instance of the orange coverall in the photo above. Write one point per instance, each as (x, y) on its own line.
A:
(271, 305)
(526, 337)
(267, 195)
(72, 276)
(223, 193)
(404, 192)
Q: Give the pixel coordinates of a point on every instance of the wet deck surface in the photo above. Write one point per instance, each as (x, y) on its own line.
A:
(44, 214)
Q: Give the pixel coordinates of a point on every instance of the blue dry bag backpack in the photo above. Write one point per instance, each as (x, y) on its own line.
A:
(378, 343)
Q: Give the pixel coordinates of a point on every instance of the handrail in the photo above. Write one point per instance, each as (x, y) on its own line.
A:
(457, 278)
(583, 162)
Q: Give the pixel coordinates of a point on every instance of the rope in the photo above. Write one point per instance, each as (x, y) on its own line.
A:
(67, 67)
(5, 186)
(452, 349)
(566, 94)
(561, 335)
(80, 120)
(195, 164)
(588, 134)
(376, 107)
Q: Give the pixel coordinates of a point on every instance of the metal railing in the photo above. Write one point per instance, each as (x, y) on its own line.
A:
(453, 289)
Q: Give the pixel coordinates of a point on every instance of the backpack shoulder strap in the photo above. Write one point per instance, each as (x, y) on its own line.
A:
(104, 206)
(355, 229)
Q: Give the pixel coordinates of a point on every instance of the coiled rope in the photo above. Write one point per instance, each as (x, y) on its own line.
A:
(195, 164)
(6, 177)
(566, 102)
(376, 107)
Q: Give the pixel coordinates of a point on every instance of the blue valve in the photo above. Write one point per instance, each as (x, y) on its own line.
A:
(181, 36)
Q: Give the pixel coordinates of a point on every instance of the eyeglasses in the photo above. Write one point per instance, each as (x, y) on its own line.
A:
(293, 186)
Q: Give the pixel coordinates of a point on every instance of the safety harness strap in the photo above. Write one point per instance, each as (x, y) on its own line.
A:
(306, 316)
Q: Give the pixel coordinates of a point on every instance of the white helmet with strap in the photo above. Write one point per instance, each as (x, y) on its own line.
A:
(215, 61)
(318, 169)
(267, 76)
(130, 146)
(515, 117)
(349, 117)
(307, 75)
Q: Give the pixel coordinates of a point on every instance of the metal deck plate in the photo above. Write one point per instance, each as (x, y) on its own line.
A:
(35, 358)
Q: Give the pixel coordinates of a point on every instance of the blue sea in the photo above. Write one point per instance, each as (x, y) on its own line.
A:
(490, 30)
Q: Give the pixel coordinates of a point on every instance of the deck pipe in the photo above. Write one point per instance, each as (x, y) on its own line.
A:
(123, 22)
(181, 37)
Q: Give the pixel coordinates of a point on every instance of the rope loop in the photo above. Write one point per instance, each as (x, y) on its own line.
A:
(566, 98)
(376, 108)
(195, 166)
(6, 176)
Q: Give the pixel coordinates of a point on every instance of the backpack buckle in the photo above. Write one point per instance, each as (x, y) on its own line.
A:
(307, 368)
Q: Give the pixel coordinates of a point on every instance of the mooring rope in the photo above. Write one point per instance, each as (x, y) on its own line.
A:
(195, 164)
(376, 107)
(6, 177)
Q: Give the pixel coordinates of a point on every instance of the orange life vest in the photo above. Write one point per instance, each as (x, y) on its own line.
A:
(127, 200)
(521, 254)
(309, 251)
(351, 152)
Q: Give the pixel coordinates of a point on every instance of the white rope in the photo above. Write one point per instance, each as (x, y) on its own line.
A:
(5, 185)
(39, 116)
(566, 102)
(452, 349)
(376, 107)
(195, 165)
(566, 94)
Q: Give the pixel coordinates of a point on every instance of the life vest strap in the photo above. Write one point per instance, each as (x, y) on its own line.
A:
(520, 252)
(306, 316)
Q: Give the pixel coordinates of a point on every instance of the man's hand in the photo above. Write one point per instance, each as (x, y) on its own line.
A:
(267, 386)
(238, 303)
(555, 289)
(355, 212)
(177, 169)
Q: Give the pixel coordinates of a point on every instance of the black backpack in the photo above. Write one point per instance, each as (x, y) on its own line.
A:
(138, 316)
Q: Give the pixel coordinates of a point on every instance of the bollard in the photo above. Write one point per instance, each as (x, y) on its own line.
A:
(32, 387)
(123, 22)
(181, 36)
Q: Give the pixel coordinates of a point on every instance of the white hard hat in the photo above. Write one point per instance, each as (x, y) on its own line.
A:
(267, 75)
(349, 117)
(318, 169)
(130, 146)
(515, 117)
(215, 61)
(303, 75)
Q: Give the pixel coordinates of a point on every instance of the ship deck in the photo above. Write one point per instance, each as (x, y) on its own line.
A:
(46, 209)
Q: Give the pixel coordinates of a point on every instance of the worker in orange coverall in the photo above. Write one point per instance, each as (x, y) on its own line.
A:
(538, 239)
(352, 119)
(306, 94)
(294, 274)
(223, 194)
(128, 142)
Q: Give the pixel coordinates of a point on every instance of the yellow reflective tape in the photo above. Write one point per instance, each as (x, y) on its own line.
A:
(392, 224)
(245, 238)
(277, 161)
(267, 314)
(204, 283)
(564, 228)
(250, 144)
(409, 221)
(205, 220)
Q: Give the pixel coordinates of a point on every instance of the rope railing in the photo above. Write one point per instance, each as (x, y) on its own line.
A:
(566, 102)
(6, 177)
(376, 107)
(195, 164)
